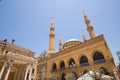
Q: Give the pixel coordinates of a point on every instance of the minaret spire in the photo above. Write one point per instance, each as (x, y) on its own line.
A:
(83, 35)
(52, 21)
(51, 35)
(60, 44)
(90, 28)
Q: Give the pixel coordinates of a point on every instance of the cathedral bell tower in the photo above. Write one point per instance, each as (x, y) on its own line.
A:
(51, 38)
(90, 28)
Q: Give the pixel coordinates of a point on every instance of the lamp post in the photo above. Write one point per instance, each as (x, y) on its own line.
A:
(44, 56)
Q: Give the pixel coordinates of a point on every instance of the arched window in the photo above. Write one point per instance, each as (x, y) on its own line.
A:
(84, 61)
(98, 58)
(62, 65)
(72, 63)
(54, 68)
(104, 71)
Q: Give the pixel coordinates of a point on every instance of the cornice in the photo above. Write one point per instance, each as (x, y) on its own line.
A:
(89, 42)
(16, 48)
(16, 59)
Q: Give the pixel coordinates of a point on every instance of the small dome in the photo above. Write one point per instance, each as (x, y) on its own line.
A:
(70, 43)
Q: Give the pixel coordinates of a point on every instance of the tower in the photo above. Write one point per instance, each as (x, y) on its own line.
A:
(90, 28)
(60, 44)
(51, 36)
(84, 38)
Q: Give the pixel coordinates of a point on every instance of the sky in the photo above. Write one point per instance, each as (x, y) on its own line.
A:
(28, 22)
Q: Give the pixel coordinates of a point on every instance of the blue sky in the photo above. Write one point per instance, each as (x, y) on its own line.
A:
(28, 21)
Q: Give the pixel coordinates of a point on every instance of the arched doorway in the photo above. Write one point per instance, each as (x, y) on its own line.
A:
(63, 76)
(104, 71)
(74, 75)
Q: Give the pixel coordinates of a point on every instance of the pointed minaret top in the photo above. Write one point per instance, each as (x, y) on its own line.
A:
(60, 40)
(52, 21)
(89, 26)
(83, 35)
(84, 13)
(52, 24)
(86, 19)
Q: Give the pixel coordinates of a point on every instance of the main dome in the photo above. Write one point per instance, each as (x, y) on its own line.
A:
(72, 40)
(70, 43)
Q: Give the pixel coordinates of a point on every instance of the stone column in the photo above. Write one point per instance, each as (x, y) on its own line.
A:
(116, 75)
(1, 72)
(16, 71)
(30, 74)
(7, 74)
(19, 77)
(23, 72)
(3, 53)
(26, 73)
(9, 66)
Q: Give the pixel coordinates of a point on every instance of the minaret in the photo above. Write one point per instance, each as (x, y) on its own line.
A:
(84, 38)
(90, 28)
(51, 36)
(60, 44)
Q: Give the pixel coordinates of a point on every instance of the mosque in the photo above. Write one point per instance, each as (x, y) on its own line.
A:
(74, 56)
